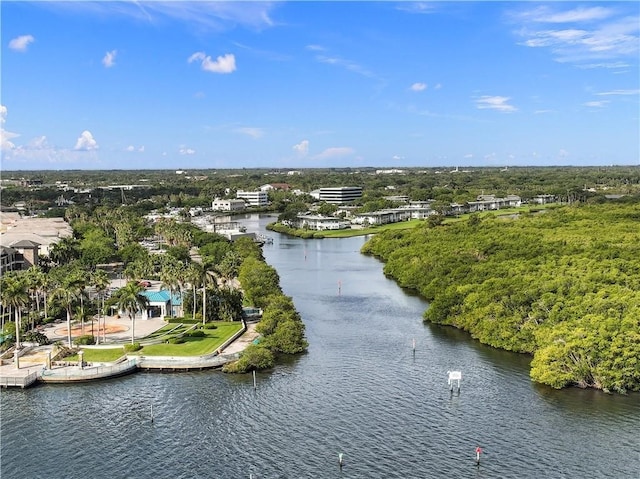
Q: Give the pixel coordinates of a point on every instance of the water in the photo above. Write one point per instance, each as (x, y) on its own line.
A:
(359, 390)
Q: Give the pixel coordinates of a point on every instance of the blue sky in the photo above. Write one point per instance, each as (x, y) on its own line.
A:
(179, 85)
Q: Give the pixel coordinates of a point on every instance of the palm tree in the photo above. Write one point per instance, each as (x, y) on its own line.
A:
(169, 282)
(194, 275)
(64, 251)
(229, 267)
(15, 295)
(131, 299)
(208, 280)
(35, 282)
(170, 275)
(100, 282)
(66, 295)
(78, 281)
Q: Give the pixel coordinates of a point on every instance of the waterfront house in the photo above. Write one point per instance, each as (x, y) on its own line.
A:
(320, 222)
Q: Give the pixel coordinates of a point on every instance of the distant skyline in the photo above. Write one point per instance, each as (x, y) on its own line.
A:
(195, 85)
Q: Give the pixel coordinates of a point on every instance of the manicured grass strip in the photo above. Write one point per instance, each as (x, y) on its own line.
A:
(207, 344)
(99, 355)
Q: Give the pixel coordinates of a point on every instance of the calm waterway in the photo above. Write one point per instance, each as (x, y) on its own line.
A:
(360, 390)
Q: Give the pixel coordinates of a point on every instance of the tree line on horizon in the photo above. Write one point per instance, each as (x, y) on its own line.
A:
(163, 188)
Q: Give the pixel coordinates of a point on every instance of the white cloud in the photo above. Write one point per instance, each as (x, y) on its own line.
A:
(347, 64)
(416, 7)
(86, 142)
(186, 151)
(596, 104)
(109, 58)
(468, 156)
(223, 64)
(254, 133)
(132, 148)
(201, 15)
(545, 14)
(5, 139)
(498, 103)
(335, 152)
(397, 158)
(6, 136)
(21, 43)
(620, 92)
(419, 86)
(302, 148)
(591, 34)
(315, 48)
(39, 143)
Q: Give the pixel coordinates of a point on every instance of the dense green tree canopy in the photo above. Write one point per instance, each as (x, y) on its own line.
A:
(563, 285)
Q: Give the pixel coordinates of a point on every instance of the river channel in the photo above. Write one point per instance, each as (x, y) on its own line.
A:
(363, 390)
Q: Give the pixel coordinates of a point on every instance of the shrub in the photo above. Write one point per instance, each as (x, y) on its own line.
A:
(198, 333)
(176, 341)
(210, 326)
(36, 337)
(253, 357)
(84, 340)
(131, 348)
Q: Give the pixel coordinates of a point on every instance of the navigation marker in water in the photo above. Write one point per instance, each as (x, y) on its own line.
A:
(254, 379)
(478, 452)
(340, 460)
(339, 287)
(454, 376)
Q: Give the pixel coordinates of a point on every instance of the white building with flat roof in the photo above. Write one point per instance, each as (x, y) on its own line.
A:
(320, 222)
(227, 205)
(339, 194)
(253, 198)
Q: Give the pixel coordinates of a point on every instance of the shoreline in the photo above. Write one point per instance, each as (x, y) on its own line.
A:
(35, 371)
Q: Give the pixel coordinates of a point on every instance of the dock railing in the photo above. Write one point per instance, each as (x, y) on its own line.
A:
(89, 372)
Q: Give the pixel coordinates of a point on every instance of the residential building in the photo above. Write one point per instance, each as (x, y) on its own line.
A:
(227, 205)
(275, 186)
(320, 222)
(383, 216)
(544, 199)
(23, 240)
(490, 202)
(9, 260)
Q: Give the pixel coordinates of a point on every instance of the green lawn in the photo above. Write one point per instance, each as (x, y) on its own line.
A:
(99, 355)
(195, 346)
(347, 233)
(168, 330)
